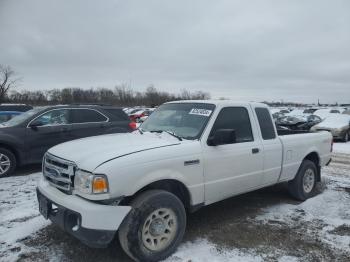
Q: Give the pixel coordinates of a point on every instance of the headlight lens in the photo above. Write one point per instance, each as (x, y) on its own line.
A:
(83, 181)
(89, 183)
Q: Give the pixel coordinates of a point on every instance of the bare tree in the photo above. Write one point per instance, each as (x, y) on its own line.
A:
(7, 81)
(121, 95)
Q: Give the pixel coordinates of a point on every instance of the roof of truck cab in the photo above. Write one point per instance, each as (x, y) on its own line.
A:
(220, 102)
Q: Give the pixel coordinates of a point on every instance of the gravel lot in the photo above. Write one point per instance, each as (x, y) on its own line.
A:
(265, 225)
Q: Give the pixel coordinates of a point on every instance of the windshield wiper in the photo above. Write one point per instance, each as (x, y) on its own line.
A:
(174, 135)
(169, 132)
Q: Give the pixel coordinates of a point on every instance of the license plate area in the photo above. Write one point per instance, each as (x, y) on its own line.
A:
(44, 207)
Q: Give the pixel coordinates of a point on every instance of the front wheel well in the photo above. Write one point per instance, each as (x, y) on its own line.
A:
(314, 157)
(170, 185)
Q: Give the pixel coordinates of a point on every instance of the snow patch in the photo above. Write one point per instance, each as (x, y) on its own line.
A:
(19, 215)
(341, 148)
(328, 210)
(202, 250)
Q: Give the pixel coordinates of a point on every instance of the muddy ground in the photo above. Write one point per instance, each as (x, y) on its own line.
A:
(229, 224)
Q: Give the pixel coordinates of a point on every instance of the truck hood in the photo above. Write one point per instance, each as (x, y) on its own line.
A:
(89, 153)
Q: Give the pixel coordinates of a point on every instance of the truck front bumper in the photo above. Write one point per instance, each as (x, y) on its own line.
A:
(92, 223)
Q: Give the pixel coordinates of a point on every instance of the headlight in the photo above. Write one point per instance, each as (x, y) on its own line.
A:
(88, 183)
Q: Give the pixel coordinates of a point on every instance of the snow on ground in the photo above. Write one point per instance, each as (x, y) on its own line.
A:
(324, 214)
(202, 250)
(326, 217)
(342, 148)
(19, 215)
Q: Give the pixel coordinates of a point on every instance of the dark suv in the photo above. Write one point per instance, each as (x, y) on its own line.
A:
(25, 138)
(15, 107)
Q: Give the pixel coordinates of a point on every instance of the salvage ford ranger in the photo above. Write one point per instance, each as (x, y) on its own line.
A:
(186, 155)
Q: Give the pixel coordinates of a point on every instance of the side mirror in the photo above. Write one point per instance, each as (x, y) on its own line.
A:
(35, 124)
(222, 137)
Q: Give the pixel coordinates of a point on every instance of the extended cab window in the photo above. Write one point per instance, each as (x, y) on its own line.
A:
(54, 117)
(86, 116)
(266, 125)
(236, 118)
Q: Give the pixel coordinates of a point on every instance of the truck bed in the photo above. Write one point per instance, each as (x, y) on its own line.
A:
(297, 145)
(283, 132)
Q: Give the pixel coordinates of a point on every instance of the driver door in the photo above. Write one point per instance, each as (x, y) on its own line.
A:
(46, 131)
(230, 169)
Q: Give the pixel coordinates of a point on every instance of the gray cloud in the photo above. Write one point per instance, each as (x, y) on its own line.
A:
(251, 50)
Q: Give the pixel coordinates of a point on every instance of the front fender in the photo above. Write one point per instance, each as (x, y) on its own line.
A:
(128, 180)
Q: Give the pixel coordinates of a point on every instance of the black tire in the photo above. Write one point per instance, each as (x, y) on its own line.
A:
(296, 186)
(7, 154)
(130, 231)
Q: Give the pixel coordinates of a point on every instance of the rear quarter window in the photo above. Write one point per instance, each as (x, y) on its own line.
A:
(266, 125)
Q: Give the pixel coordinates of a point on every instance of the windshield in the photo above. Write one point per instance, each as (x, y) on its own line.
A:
(22, 117)
(186, 120)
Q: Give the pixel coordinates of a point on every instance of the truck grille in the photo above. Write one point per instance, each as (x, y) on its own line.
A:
(59, 172)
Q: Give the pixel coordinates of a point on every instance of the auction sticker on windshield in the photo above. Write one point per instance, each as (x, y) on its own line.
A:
(200, 112)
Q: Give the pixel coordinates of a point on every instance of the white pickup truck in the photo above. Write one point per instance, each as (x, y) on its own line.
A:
(187, 154)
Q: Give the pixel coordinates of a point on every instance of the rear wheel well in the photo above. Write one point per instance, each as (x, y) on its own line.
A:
(13, 151)
(313, 157)
(170, 185)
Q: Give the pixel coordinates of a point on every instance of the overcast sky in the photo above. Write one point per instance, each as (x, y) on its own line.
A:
(292, 50)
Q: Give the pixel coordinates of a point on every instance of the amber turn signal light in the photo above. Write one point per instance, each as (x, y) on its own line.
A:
(100, 185)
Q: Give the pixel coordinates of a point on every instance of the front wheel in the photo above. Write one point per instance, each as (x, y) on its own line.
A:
(154, 227)
(7, 162)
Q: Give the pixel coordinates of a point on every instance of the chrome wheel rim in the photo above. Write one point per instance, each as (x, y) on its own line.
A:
(308, 180)
(5, 164)
(159, 229)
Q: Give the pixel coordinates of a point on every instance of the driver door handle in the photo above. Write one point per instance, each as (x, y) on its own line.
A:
(255, 150)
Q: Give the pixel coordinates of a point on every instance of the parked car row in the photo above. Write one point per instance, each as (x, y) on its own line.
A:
(338, 125)
(139, 114)
(334, 120)
(25, 138)
(298, 122)
(8, 111)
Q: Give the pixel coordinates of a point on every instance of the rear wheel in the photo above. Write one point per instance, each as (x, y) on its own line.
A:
(303, 186)
(154, 227)
(7, 162)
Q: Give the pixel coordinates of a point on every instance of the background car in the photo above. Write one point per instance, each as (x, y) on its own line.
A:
(346, 112)
(301, 122)
(338, 125)
(141, 115)
(7, 115)
(326, 112)
(25, 138)
(15, 107)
